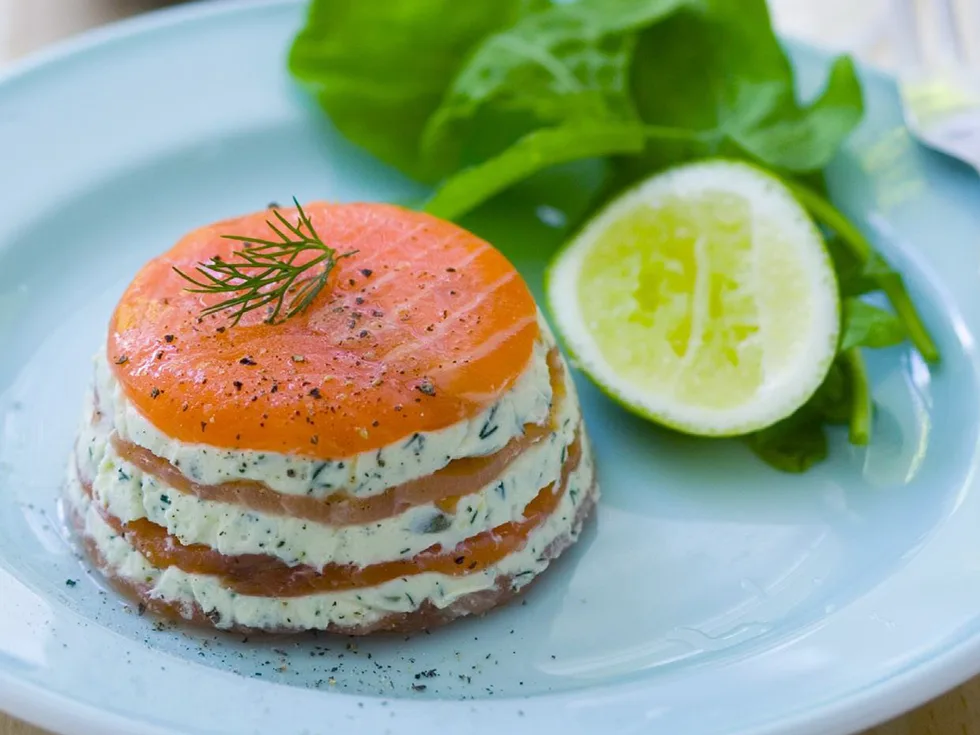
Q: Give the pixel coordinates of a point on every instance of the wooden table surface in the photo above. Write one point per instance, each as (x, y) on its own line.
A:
(26, 25)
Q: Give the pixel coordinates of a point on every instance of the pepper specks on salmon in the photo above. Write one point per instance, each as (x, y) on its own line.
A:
(483, 314)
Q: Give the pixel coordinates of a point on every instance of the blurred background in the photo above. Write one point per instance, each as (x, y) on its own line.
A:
(29, 24)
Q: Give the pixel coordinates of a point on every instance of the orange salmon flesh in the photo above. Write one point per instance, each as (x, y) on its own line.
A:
(425, 326)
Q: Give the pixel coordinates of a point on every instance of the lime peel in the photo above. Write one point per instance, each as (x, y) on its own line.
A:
(703, 299)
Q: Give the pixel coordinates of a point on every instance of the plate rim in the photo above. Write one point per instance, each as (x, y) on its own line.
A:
(880, 700)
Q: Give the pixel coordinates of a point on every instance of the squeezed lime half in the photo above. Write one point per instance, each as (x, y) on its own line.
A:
(703, 298)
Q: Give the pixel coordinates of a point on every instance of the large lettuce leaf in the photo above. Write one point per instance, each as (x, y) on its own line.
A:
(439, 87)
(380, 69)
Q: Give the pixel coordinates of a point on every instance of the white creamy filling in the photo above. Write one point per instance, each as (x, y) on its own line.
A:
(369, 473)
(128, 494)
(344, 608)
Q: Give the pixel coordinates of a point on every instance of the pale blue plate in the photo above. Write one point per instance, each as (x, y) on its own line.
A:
(714, 595)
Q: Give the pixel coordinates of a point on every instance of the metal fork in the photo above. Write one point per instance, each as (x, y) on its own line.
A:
(940, 91)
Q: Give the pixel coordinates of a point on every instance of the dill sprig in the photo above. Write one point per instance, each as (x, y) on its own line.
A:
(265, 272)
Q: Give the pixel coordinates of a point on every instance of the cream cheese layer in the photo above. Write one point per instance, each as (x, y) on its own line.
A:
(347, 608)
(128, 494)
(417, 455)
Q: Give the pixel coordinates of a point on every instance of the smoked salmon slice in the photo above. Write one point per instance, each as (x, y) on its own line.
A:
(422, 308)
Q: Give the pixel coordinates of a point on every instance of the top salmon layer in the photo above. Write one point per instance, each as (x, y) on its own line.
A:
(425, 326)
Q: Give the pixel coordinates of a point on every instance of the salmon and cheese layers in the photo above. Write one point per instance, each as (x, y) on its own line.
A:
(406, 450)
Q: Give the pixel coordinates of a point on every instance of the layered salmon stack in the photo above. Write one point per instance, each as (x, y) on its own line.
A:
(405, 450)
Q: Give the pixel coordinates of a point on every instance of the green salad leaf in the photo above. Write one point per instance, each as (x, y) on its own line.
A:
(380, 69)
(566, 65)
(801, 139)
(534, 152)
(860, 392)
(595, 61)
(868, 326)
(479, 96)
(856, 276)
(833, 400)
(794, 444)
(870, 264)
(800, 441)
(744, 91)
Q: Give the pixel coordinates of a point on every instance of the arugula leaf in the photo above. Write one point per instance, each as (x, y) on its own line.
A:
(701, 46)
(868, 326)
(573, 65)
(832, 401)
(799, 441)
(856, 277)
(494, 72)
(888, 281)
(380, 69)
(532, 74)
(568, 64)
(805, 139)
(538, 151)
(794, 444)
(861, 406)
(532, 153)
(745, 90)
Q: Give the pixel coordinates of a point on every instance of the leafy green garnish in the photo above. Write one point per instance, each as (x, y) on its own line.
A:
(871, 264)
(794, 444)
(800, 441)
(537, 150)
(856, 277)
(591, 62)
(721, 67)
(805, 139)
(495, 71)
(481, 95)
(568, 65)
(868, 326)
(380, 69)
(859, 421)
(832, 400)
